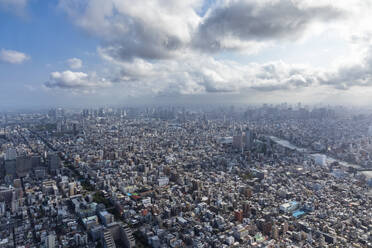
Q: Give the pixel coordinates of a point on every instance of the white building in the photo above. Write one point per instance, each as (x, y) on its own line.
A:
(146, 202)
(320, 159)
(163, 181)
(289, 206)
(50, 241)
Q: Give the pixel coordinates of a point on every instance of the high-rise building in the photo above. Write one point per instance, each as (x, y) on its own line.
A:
(86, 113)
(246, 209)
(320, 159)
(52, 113)
(2, 166)
(370, 130)
(275, 232)
(267, 227)
(71, 188)
(10, 154)
(50, 241)
(238, 141)
(35, 161)
(247, 192)
(2, 208)
(239, 215)
(248, 139)
(54, 162)
(285, 227)
(10, 167)
(23, 165)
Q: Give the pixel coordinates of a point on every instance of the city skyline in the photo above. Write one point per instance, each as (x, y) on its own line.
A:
(89, 53)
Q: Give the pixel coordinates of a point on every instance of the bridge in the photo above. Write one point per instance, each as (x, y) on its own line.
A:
(358, 170)
(364, 169)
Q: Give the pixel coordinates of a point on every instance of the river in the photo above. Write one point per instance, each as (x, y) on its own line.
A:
(287, 144)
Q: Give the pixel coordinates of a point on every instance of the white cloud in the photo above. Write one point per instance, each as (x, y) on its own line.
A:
(76, 81)
(163, 48)
(13, 57)
(232, 24)
(202, 74)
(75, 63)
(189, 75)
(155, 29)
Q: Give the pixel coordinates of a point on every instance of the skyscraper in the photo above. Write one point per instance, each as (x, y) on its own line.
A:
(248, 139)
(10, 154)
(50, 241)
(54, 162)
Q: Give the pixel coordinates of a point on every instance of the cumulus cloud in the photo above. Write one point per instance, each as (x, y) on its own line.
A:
(13, 57)
(75, 63)
(76, 81)
(205, 75)
(239, 24)
(162, 47)
(162, 30)
(350, 74)
(197, 74)
(156, 29)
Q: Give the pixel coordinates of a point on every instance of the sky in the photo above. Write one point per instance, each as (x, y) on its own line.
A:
(104, 52)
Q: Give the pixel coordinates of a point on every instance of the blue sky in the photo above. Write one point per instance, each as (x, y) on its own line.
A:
(44, 33)
(256, 51)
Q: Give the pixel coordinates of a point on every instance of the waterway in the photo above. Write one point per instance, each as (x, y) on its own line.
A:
(287, 144)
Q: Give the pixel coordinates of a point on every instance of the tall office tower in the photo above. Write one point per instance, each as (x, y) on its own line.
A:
(35, 161)
(2, 166)
(23, 165)
(101, 112)
(275, 232)
(60, 113)
(10, 167)
(71, 188)
(54, 162)
(52, 114)
(11, 154)
(284, 228)
(246, 209)
(238, 141)
(248, 139)
(50, 241)
(2, 208)
(370, 130)
(86, 113)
